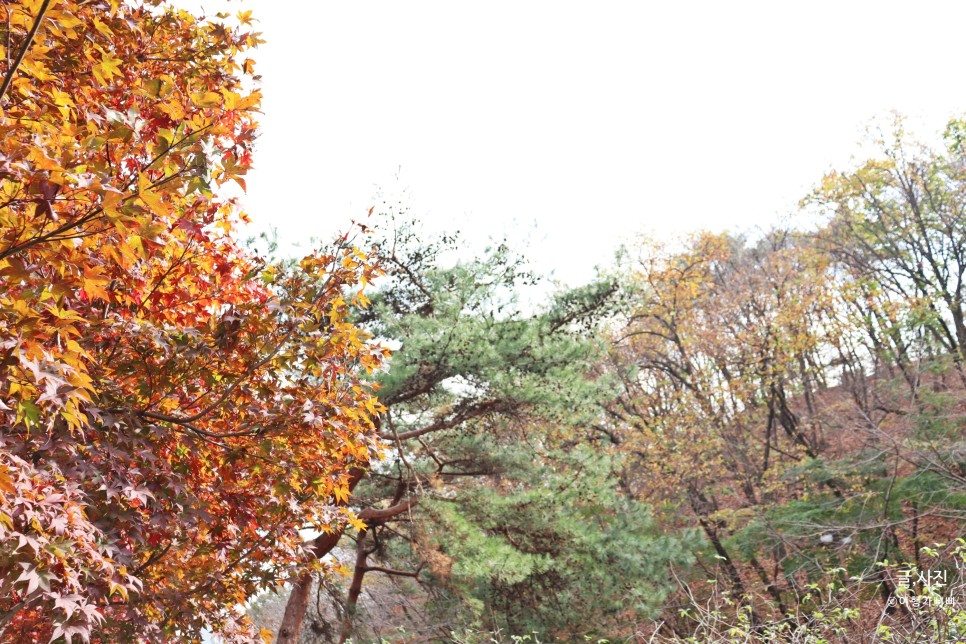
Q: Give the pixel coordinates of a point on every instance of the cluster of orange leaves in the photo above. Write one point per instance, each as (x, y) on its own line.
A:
(173, 409)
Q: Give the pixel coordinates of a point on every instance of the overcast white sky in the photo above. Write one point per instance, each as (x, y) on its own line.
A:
(570, 126)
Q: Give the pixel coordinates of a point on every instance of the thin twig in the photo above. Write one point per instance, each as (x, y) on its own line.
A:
(12, 69)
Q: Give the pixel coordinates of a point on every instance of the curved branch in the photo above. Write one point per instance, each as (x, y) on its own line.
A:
(377, 515)
(462, 414)
(398, 573)
(12, 71)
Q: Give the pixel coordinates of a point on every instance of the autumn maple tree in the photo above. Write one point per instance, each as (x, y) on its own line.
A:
(174, 409)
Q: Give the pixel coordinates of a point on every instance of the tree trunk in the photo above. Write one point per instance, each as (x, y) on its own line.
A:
(298, 603)
(298, 600)
(355, 588)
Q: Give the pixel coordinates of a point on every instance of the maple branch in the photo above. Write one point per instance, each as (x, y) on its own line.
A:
(155, 557)
(168, 272)
(163, 153)
(39, 239)
(75, 223)
(7, 46)
(12, 70)
(187, 424)
(249, 371)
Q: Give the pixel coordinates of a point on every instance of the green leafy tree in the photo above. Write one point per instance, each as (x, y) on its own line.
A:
(552, 547)
(481, 397)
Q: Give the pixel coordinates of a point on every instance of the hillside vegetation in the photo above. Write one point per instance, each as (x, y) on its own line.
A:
(731, 437)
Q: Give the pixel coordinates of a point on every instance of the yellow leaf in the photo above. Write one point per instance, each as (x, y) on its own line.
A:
(118, 589)
(173, 109)
(36, 69)
(207, 99)
(356, 522)
(231, 98)
(62, 99)
(94, 282)
(104, 29)
(341, 494)
(131, 248)
(249, 101)
(108, 68)
(111, 205)
(64, 20)
(150, 199)
(6, 482)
